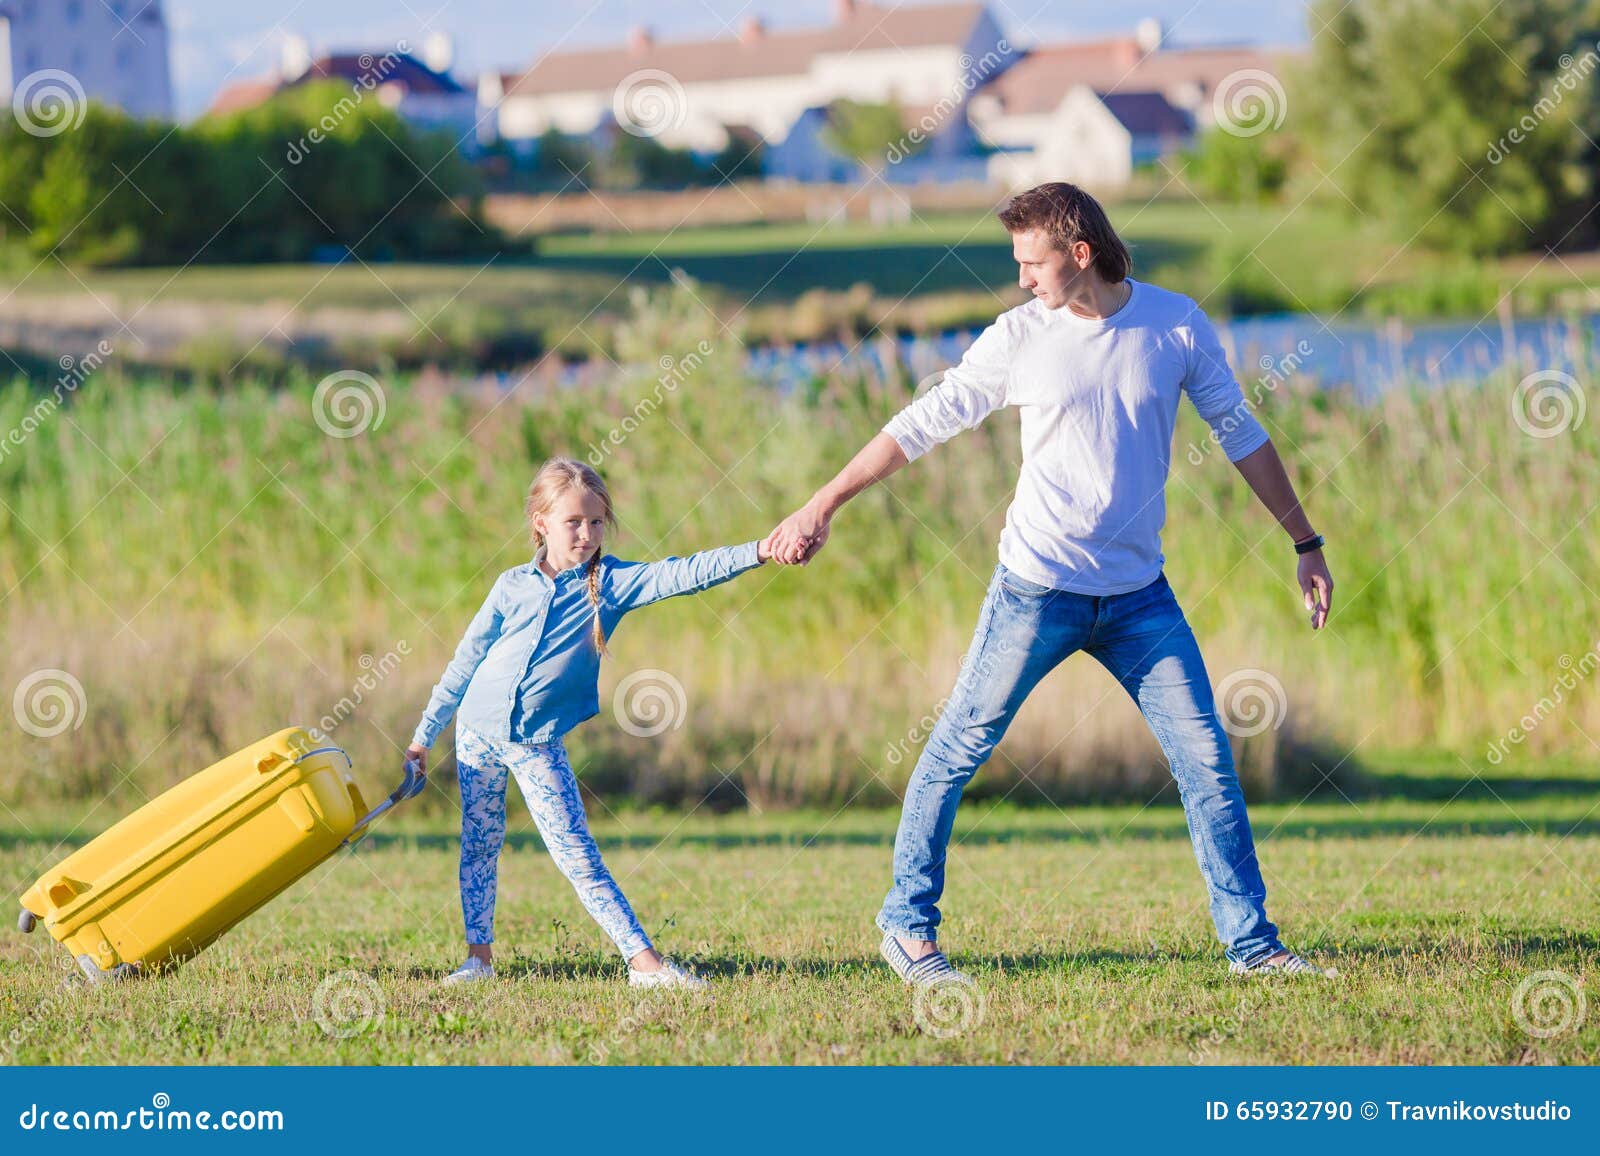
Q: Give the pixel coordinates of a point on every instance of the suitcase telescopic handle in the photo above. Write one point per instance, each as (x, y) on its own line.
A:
(410, 786)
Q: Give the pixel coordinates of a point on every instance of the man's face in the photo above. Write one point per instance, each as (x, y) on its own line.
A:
(1042, 269)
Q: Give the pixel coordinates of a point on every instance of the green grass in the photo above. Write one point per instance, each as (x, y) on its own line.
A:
(1085, 928)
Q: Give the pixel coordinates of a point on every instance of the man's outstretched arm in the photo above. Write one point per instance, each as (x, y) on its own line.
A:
(1263, 470)
(802, 533)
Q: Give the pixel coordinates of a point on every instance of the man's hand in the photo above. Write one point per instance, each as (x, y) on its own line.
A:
(796, 539)
(1316, 587)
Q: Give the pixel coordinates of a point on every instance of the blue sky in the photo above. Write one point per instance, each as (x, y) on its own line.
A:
(214, 44)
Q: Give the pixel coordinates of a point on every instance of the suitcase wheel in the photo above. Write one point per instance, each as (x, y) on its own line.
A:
(27, 921)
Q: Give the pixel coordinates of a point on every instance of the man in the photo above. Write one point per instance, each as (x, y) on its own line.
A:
(1095, 362)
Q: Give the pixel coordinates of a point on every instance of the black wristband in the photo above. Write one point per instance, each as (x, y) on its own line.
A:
(1314, 542)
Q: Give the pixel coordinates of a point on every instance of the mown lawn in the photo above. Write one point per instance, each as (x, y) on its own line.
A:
(1086, 930)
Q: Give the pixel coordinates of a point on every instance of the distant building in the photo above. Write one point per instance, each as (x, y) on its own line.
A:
(116, 50)
(774, 83)
(1090, 111)
(419, 89)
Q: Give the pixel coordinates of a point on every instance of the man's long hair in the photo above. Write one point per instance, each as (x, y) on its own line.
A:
(1068, 215)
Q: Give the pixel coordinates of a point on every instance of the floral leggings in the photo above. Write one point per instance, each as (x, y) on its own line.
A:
(547, 783)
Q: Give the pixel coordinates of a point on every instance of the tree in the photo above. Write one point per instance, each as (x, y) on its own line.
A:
(865, 131)
(1463, 121)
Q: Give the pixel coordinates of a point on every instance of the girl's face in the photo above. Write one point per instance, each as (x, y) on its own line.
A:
(573, 529)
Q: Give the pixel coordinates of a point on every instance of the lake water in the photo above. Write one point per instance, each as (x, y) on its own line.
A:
(1370, 357)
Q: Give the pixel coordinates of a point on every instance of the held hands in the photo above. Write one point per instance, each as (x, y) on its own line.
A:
(796, 540)
(1316, 587)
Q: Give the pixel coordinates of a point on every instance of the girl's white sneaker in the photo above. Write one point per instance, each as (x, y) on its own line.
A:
(669, 975)
(473, 969)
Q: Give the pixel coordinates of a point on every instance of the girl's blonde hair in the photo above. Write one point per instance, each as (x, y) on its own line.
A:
(555, 478)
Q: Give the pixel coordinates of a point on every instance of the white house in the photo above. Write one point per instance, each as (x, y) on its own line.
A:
(1090, 111)
(688, 93)
(1092, 139)
(115, 51)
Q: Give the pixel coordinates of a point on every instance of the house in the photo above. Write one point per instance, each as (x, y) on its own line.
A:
(114, 51)
(687, 93)
(420, 90)
(1090, 111)
(1091, 138)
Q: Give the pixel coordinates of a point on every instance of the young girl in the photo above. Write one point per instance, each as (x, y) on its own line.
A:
(525, 673)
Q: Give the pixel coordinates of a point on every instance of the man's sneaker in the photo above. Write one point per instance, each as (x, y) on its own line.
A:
(930, 970)
(1284, 963)
(668, 975)
(473, 969)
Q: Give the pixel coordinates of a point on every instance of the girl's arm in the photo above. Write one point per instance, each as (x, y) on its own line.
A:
(636, 584)
(475, 643)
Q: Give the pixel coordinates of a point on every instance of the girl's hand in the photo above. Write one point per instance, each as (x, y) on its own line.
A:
(764, 549)
(418, 755)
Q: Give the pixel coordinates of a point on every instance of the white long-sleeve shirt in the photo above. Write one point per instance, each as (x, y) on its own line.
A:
(1099, 400)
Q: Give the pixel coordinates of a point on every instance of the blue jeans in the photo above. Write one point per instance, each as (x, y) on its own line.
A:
(1143, 639)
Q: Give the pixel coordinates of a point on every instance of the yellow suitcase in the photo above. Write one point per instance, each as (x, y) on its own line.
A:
(189, 864)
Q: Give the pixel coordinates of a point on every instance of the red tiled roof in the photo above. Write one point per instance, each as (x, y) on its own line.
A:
(241, 95)
(1038, 81)
(769, 53)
